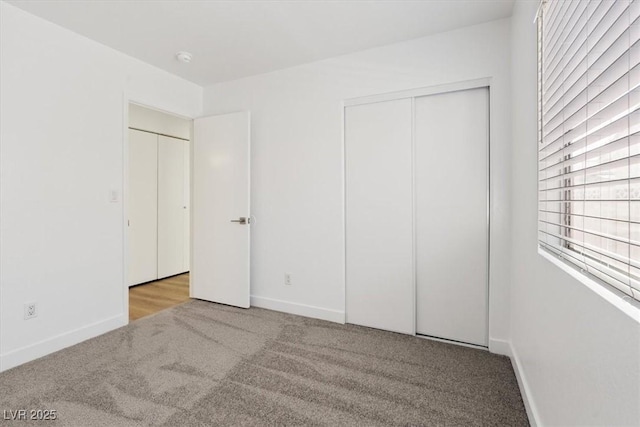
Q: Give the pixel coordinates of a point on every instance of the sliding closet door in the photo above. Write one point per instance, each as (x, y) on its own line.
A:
(187, 205)
(451, 184)
(379, 231)
(143, 206)
(171, 206)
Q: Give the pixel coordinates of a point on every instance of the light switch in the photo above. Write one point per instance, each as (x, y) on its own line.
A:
(114, 196)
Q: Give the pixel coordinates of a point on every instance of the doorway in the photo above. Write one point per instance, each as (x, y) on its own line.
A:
(158, 219)
(194, 173)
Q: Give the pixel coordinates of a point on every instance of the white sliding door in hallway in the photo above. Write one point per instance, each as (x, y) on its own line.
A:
(171, 206)
(158, 206)
(417, 214)
(143, 207)
(451, 188)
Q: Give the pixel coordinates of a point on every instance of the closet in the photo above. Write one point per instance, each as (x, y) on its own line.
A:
(417, 230)
(158, 205)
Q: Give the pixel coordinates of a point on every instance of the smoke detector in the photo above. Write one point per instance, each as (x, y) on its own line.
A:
(184, 57)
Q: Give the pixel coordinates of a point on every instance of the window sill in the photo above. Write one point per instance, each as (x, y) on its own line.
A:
(622, 302)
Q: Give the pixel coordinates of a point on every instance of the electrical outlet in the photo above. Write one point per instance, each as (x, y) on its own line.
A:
(287, 279)
(30, 310)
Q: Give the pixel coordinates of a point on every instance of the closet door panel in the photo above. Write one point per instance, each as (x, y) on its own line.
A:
(379, 232)
(451, 179)
(143, 206)
(171, 172)
(187, 205)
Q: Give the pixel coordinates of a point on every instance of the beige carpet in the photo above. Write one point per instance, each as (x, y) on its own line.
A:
(201, 364)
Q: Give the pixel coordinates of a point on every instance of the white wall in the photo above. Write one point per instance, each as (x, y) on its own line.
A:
(62, 124)
(297, 160)
(578, 354)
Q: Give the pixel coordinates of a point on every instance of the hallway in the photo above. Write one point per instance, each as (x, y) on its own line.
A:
(149, 298)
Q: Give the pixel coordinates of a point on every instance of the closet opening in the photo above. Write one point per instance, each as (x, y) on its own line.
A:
(157, 191)
(417, 205)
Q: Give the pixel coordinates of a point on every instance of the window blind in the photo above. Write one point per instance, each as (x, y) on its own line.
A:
(589, 137)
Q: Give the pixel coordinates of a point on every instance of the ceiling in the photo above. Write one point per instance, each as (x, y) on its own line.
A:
(234, 39)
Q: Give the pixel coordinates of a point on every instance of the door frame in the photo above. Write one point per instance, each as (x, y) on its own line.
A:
(412, 94)
(130, 99)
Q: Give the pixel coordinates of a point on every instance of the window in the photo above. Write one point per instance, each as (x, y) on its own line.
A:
(589, 137)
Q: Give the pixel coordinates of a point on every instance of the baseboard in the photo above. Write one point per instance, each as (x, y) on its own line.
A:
(58, 342)
(525, 391)
(299, 309)
(502, 347)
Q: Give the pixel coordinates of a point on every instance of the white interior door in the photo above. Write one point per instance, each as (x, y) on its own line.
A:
(379, 216)
(220, 250)
(171, 207)
(451, 185)
(143, 207)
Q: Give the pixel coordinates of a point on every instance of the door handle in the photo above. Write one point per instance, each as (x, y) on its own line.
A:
(242, 220)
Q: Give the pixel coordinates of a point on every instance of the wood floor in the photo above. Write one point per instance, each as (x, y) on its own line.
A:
(157, 296)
